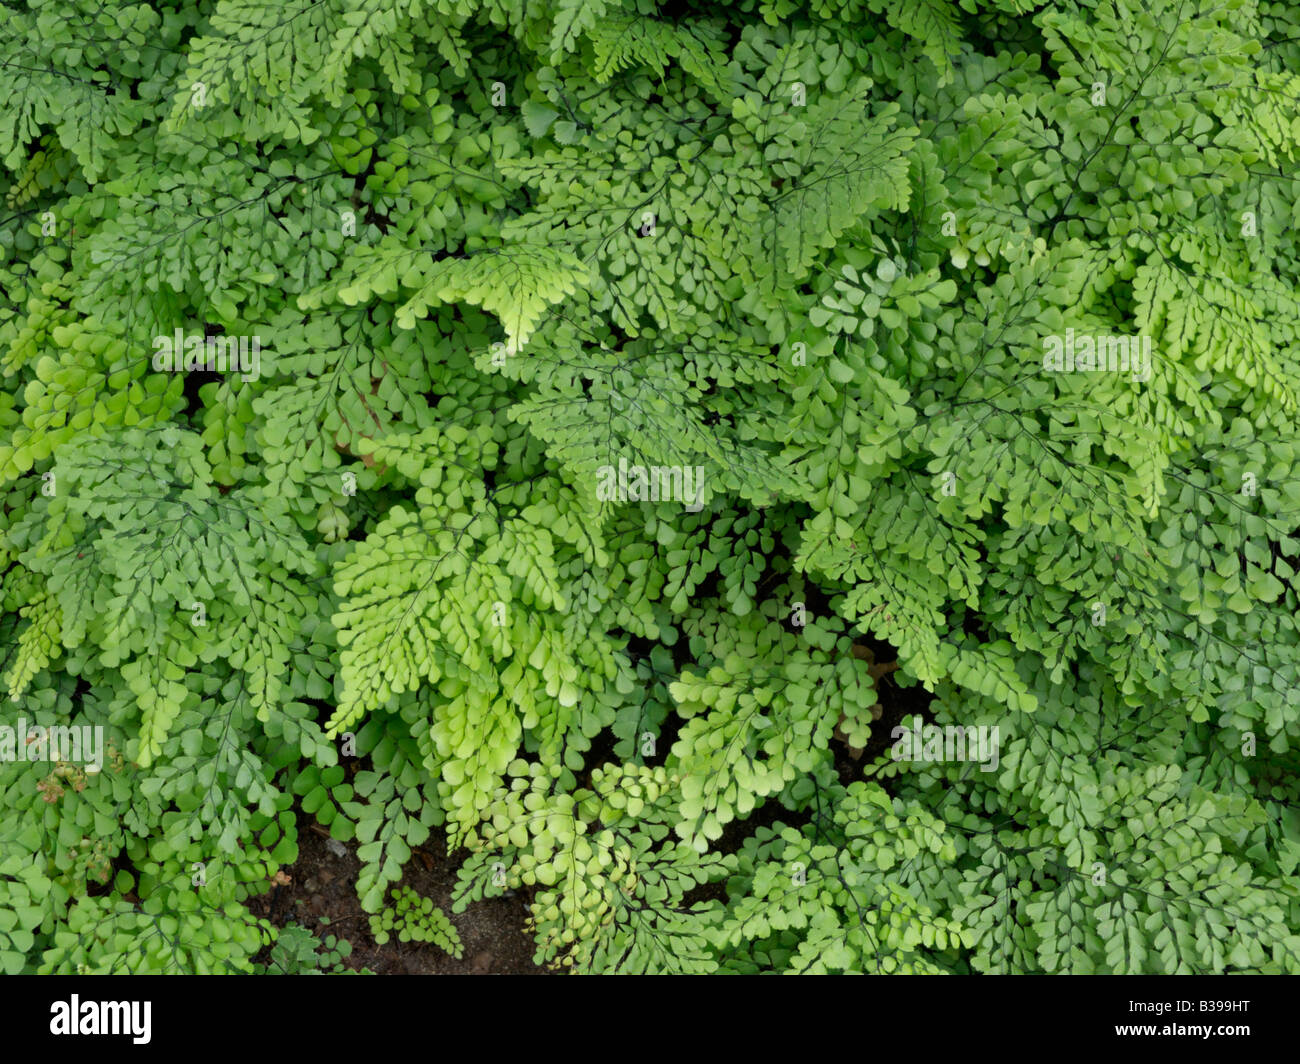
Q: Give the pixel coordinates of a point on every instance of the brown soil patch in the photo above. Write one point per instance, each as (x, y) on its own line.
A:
(323, 883)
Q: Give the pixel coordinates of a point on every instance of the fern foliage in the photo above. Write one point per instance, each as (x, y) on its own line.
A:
(797, 486)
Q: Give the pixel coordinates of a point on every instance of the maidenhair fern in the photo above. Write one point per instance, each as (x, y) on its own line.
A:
(416, 919)
(802, 486)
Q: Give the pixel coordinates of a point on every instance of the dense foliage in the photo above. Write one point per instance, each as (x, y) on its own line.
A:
(484, 262)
